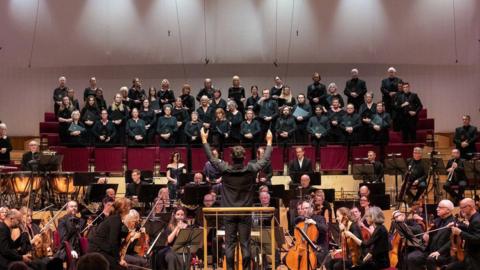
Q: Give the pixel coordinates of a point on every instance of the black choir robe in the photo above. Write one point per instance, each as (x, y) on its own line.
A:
(317, 90)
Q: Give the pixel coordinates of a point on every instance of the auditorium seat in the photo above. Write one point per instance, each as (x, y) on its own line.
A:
(394, 136)
(74, 159)
(422, 114)
(361, 151)
(427, 123)
(198, 159)
(334, 158)
(49, 117)
(109, 159)
(227, 155)
(48, 127)
(142, 158)
(277, 159)
(164, 154)
(309, 153)
(406, 149)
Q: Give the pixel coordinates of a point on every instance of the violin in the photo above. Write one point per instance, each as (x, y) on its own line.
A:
(456, 244)
(297, 257)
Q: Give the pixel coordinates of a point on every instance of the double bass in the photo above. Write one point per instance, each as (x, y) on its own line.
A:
(297, 256)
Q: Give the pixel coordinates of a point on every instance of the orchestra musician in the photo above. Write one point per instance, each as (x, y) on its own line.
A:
(456, 176)
(132, 258)
(377, 167)
(377, 245)
(133, 188)
(416, 175)
(8, 247)
(238, 182)
(32, 155)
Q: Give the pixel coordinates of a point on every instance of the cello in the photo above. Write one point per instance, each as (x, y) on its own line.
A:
(298, 257)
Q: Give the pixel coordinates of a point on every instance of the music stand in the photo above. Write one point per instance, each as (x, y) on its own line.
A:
(363, 172)
(97, 191)
(149, 192)
(435, 167)
(185, 178)
(49, 163)
(193, 194)
(188, 241)
(83, 179)
(395, 165)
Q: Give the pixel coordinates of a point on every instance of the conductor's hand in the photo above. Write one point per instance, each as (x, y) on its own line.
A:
(269, 137)
(204, 135)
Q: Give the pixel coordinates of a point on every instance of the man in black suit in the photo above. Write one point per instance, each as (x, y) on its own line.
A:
(409, 106)
(456, 176)
(301, 164)
(437, 252)
(389, 88)
(69, 228)
(8, 247)
(29, 158)
(377, 167)
(470, 234)
(465, 138)
(355, 90)
(133, 189)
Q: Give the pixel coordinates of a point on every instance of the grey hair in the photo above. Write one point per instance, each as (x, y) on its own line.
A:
(376, 214)
(132, 214)
(392, 69)
(232, 103)
(3, 126)
(332, 85)
(448, 204)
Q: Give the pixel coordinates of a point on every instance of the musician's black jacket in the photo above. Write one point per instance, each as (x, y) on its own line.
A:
(107, 237)
(379, 245)
(8, 252)
(69, 228)
(417, 170)
(27, 157)
(440, 240)
(459, 172)
(471, 235)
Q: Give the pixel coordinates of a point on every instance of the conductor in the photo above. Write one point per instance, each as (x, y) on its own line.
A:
(238, 190)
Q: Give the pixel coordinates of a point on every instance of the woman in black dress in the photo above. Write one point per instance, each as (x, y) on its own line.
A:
(175, 167)
(89, 115)
(103, 130)
(237, 93)
(181, 114)
(147, 114)
(220, 129)
(118, 113)
(136, 129)
(167, 126)
(64, 116)
(192, 129)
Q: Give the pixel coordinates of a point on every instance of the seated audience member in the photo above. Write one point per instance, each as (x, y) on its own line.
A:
(64, 116)
(192, 130)
(5, 145)
(77, 131)
(104, 131)
(212, 174)
(118, 113)
(147, 114)
(335, 115)
(318, 126)
(300, 164)
(332, 94)
(317, 92)
(465, 138)
(167, 126)
(136, 129)
(165, 95)
(350, 125)
(381, 123)
(59, 93)
(237, 93)
(264, 175)
(355, 90)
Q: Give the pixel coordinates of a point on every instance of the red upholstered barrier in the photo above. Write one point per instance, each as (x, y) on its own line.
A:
(109, 159)
(74, 159)
(48, 127)
(334, 158)
(142, 158)
(49, 117)
(198, 159)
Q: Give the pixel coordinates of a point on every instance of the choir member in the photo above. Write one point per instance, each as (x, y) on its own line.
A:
(317, 92)
(136, 94)
(64, 116)
(100, 100)
(136, 131)
(235, 118)
(73, 100)
(465, 138)
(237, 93)
(378, 172)
(154, 104)
(318, 126)
(104, 130)
(380, 125)
(181, 115)
(5, 145)
(366, 112)
(78, 134)
(147, 114)
(205, 112)
(207, 90)
(165, 95)
(456, 176)
(188, 100)
(118, 113)
(8, 247)
(285, 128)
(218, 101)
(125, 99)
(250, 129)
(286, 97)
(355, 90)
(192, 129)
(437, 243)
(416, 174)
(59, 93)
(90, 90)
(332, 94)
(350, 125)
(89, 115)
(302, 111)
(277, 88)
(252, 100)
(175, 168)
(378, 245)
(397, 110)
(264, 175)
(220, 129)
(107, 238)
(167, 126)
(69, 228)
(335, 115)
(268, 111)
(411, 107)
(389, 88)
(30, 156)
(469, 231)
(300, 164)
(133, 189)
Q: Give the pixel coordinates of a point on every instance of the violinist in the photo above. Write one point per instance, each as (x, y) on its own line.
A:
(167, 258)
(131, 221)
(8, 247)
(377, 245)
(456, 176)
(356, 217)
(321, 206)
(350, 252)
(108, 236)
(469, 231)
(437, 242)
(69, 229)
(107, 205)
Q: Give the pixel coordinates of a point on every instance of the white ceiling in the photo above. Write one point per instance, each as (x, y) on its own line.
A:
(135, 32)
